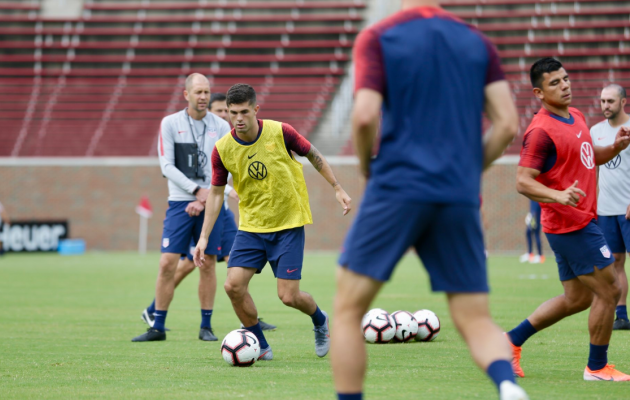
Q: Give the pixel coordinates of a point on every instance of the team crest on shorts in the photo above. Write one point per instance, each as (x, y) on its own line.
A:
(605, 251)
(165, 242)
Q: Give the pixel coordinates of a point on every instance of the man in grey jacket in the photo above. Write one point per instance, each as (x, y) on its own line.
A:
(185, 143)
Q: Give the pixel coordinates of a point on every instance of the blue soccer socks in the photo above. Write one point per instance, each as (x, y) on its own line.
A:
(318, 317)
(206, 316)
(151, 308)
(160, 318)
(500, 371)
(622, 312)
(257, 331)
(352, 396)
(598, 357)
(521, 333)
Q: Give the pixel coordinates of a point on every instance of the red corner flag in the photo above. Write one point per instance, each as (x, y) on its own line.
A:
(144, 209)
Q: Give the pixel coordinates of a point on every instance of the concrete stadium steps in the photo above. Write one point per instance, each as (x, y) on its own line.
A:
(117, 117)
(78, 85)
(590, 37)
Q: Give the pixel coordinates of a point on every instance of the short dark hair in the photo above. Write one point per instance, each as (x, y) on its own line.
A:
(217, 97)
(620, 89)
(540, 67)
(241, 93)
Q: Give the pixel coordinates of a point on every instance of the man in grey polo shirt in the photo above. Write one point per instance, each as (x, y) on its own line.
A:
(184, 146)
(613, 206)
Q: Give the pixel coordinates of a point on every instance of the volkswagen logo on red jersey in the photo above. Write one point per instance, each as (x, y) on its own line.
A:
(614, 163)
(587, 155)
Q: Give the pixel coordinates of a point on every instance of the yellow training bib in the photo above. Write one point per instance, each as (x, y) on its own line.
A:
(269, 182)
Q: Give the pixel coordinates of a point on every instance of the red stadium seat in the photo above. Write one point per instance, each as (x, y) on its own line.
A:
(119, 68)
(134, 55)
(269, 5)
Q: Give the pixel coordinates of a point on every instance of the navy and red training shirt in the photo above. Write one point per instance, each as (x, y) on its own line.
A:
(431, 69)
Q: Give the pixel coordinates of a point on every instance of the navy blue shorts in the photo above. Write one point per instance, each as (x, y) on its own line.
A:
(284, 250)
(229, 232)
(447, 237)
(578, 252)
(616, 230)
(181, 230)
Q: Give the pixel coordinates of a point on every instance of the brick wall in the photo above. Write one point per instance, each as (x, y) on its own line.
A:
(99, 201)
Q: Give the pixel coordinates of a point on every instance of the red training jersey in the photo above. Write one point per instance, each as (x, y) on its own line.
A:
(575, 162)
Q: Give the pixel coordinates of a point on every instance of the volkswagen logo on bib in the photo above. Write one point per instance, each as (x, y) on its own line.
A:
(614, 163)
(257, 170)
(587, 155)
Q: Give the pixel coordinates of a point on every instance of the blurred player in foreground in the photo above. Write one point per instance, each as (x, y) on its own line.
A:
(532, 221)
(4, 220)
(557, 169)
(613, 203)
(423, 187)
(187, 135)
(273, 210)
(218, 107)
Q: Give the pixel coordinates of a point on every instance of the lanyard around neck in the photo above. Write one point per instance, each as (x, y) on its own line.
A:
(194, 133)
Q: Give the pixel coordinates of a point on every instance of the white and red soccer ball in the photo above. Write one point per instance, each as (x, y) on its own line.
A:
(428, 325)
(406, 326)
(378, 326)
(240, 348)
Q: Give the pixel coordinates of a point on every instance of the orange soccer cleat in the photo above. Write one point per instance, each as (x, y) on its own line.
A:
(608, 373)
(516, 358)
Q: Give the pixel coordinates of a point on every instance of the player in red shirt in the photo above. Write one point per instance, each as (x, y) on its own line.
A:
(557, 169)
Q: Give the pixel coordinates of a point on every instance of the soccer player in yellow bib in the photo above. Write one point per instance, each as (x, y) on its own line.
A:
(273, 210)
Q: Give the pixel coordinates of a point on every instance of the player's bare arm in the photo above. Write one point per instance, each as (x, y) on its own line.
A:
(603, 154)
(528, 186)
(321, 165)
(213, 208)
(366, 115)
(502, 112)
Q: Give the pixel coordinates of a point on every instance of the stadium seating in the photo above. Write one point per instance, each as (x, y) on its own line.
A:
(590, 37)
(78, 86)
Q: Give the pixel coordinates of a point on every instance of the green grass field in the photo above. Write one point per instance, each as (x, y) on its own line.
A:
(66, 325)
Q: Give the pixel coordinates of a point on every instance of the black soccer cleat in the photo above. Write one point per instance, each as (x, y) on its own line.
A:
(263, 326)
(151, 335)
(621, 325)
(207, 335)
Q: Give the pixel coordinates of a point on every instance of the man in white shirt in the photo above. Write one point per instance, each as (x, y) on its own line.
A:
(613, 208)
(184, 147)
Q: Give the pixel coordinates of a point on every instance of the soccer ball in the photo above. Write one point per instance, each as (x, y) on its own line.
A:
(406, 326)
(240, 348)
(378, 326)
(428, 325)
